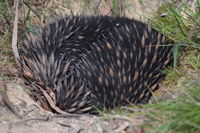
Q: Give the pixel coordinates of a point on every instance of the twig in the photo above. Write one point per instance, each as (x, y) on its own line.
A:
(31, 119)
(35, 12)
(14, 35)
(51, 103)
(64, 116)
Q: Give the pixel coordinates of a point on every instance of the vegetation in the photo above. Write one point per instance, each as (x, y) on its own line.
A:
(181, 113)
(6, 56)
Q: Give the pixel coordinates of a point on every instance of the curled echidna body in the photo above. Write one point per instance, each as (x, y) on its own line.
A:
(101, 61)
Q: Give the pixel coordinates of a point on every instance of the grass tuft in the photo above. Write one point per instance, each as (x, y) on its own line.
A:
(182, 112)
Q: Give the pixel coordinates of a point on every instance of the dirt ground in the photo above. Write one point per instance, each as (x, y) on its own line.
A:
(26, 116)
(19, 113)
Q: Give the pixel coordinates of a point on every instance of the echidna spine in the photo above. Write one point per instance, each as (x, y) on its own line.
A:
(95, 61)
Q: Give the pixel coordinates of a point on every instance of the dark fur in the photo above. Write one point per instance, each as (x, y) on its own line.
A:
(95, 61)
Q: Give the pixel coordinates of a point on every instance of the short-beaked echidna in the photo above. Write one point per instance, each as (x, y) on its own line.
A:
(96, 61)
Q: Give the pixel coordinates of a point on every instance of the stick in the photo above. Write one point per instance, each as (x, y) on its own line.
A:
(14, 35)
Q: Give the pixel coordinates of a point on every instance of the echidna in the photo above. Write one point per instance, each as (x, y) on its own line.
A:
(97, 61)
